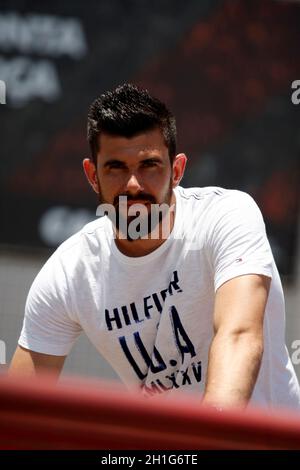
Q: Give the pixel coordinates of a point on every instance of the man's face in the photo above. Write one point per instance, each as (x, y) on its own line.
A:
(138, 168)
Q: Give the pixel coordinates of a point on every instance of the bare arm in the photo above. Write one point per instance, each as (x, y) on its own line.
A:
(237, 347)
(29, 363)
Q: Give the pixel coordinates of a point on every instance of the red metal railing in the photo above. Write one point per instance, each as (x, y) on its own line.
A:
(37, 414)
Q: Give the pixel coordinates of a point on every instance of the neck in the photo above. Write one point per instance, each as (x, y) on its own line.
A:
(144, 246)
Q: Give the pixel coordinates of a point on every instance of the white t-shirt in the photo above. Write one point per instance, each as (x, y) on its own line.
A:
(151, 317)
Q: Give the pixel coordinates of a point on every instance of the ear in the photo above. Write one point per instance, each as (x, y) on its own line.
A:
(91, 173)
(178, 168)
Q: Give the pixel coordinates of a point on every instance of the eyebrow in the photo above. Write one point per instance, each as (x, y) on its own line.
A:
(114, 161)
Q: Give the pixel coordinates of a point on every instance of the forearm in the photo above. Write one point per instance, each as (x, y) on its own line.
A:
(233, 366)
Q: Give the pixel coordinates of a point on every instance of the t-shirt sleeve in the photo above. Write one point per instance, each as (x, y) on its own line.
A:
(237, 239)
(49, 326)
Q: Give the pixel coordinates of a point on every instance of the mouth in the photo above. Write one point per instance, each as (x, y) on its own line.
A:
(143, 202)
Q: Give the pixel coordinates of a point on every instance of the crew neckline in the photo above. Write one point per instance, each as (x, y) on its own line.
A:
(138, 260)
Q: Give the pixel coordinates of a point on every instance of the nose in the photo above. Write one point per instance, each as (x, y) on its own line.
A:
(133, 185)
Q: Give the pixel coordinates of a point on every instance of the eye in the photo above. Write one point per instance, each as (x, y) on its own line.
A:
(150, 163)
(116, 165)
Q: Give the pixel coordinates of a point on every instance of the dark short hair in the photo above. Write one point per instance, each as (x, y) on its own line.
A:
(126, 111)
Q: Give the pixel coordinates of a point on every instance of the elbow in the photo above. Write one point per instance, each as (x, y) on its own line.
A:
(251, 340)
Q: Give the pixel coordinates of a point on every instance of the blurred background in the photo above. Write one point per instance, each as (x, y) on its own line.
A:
(225, 68)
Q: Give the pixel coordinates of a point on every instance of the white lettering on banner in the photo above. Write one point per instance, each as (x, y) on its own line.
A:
(60, 222)
(29, 79)
(42, 34)
(45, 35)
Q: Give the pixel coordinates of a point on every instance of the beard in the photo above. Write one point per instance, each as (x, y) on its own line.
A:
(149, 219)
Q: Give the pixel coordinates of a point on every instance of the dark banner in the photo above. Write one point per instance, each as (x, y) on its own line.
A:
(225, 68)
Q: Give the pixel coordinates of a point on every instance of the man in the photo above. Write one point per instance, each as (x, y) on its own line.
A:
(187, 298)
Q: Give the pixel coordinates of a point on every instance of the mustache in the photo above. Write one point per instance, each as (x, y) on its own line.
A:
(138, 197)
